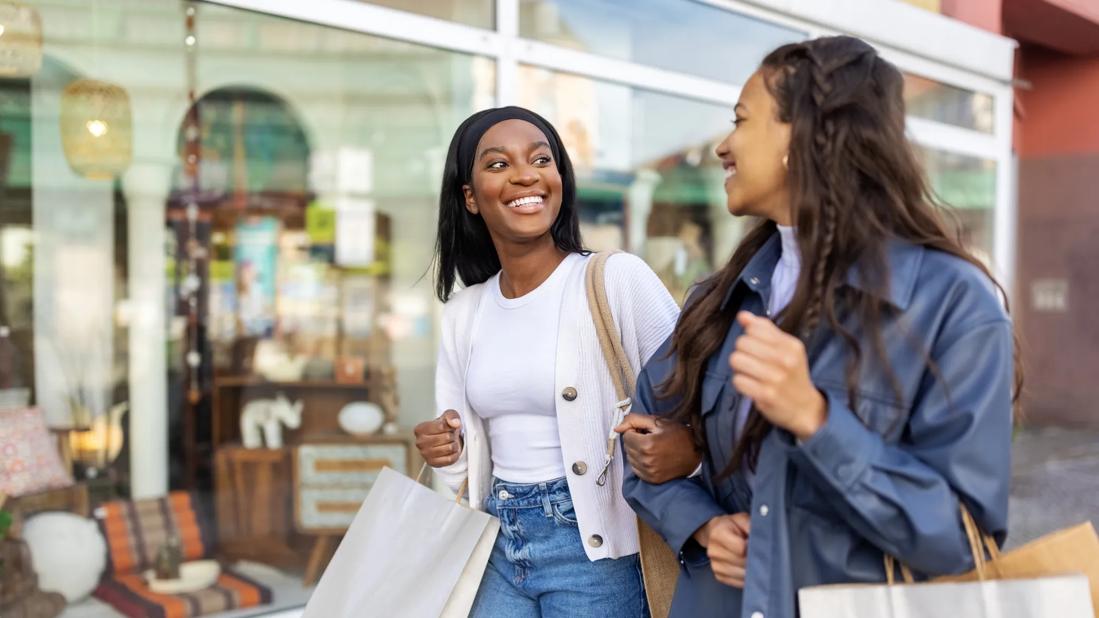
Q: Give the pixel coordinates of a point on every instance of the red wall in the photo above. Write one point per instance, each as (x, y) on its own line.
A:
(1057, 140)
(1061, 110)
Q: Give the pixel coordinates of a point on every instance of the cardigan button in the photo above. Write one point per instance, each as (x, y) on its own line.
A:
(595, 541)
(569, 394)
(579, 468)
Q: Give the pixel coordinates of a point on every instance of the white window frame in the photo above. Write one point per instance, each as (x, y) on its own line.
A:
(967, 58)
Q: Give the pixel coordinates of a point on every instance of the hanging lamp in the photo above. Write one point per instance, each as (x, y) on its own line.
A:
(96, 128)
(20, 40)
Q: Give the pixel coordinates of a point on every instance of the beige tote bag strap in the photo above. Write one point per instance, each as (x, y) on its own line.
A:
(659, 567)
(610, 342)
(607, 331)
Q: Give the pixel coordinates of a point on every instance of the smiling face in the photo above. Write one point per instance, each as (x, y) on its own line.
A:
(752, 154)
(515, 186)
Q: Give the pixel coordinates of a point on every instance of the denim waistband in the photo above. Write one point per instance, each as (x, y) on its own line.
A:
(529, 495)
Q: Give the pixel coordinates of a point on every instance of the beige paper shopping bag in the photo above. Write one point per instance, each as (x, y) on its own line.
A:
(409, 552)
(1046, 578)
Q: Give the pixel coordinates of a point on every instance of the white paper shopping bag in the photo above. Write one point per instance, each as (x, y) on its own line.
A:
(409, 552)
(1044, 597)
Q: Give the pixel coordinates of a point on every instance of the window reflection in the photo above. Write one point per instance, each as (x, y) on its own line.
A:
(967, 185)
(477, 13)
(941, 102)
(649, 181)
(690, 37)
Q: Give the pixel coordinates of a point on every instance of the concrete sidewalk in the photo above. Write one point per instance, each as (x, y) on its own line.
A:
(1055, 481)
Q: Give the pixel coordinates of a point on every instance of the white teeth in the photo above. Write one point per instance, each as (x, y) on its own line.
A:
(524, 201)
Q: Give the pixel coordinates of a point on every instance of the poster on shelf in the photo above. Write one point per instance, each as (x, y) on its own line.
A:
(256, 255)
(223, 301)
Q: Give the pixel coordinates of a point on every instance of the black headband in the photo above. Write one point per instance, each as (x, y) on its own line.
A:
(467, 145)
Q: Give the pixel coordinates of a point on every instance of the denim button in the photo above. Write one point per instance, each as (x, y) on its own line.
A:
(757, 614)
(763, 510)
(843, 472)
(754, 281)
(595, 541)
(569, 394)
(503, 495)
(579, 468)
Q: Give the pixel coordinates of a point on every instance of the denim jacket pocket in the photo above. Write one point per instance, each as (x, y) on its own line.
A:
(884, 416)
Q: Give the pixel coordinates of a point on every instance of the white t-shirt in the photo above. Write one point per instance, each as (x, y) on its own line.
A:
(510, 383)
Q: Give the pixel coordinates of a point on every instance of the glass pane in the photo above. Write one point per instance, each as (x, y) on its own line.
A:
(649, 181)
(206, 224)
(934, 100)
(680, 36)
(477, 13)
(968, 186)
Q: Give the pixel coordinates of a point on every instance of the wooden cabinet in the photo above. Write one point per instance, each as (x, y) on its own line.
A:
(332, 477)
(273, 505)
(254, 502)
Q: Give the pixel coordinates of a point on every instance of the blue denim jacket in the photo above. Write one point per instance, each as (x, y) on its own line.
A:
(884, 477)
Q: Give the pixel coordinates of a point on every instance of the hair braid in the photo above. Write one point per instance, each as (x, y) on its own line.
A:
(824, 158)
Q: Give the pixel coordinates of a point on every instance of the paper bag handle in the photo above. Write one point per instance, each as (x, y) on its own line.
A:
(461, 488)
(979, 542)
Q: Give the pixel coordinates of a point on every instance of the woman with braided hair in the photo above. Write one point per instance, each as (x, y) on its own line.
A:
(849, 376)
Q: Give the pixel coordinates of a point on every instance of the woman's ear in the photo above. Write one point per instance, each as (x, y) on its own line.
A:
(471, 203)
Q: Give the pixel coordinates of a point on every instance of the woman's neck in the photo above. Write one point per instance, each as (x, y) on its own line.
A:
(525, 266)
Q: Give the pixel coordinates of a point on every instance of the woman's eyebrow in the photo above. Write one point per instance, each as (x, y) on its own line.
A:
(503, 151)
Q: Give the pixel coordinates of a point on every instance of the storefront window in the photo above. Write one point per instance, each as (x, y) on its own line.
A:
(213, 329)
(689, 37)
(649, 181)
(926, 98)
(477, 13)
(967, 185)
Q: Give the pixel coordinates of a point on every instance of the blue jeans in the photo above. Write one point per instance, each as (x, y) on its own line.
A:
(538, 565)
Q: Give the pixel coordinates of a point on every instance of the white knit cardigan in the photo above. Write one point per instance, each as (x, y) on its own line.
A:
(645, 315)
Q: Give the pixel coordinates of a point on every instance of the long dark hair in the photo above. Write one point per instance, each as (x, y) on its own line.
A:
(855, 183)
(463, 246)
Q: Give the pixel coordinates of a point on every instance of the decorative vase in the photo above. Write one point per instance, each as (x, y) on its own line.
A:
(361, 418)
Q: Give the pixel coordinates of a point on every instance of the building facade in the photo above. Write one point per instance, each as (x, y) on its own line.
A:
(208, 204)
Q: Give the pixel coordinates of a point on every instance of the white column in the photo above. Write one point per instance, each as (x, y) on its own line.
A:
(146, 186)
(507, 66)
(73, 274)
(1006, 215)
(639, 200)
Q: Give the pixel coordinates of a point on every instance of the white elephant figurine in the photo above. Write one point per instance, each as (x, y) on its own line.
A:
(271, 415)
